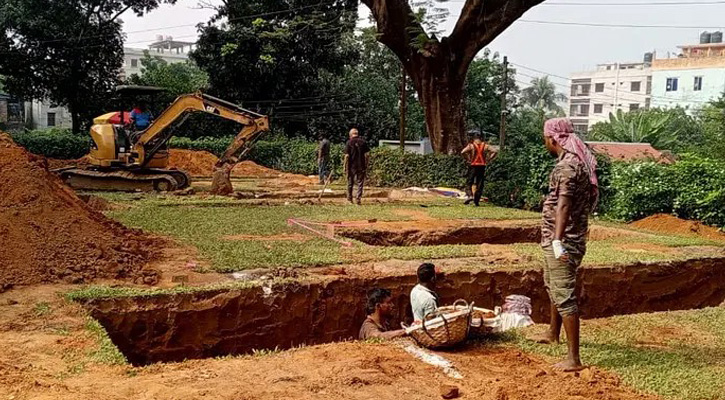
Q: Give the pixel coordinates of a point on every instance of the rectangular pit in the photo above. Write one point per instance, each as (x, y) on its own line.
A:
(443, 232)
(162, 328)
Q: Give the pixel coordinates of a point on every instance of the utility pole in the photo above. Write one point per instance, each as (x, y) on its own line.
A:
(403, 107)
(504, 112)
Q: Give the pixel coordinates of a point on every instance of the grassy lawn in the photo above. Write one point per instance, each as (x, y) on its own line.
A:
(678, 355)
(208, 222)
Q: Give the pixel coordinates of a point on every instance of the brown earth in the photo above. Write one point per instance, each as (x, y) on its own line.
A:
(665, 223)
(54, 163)
(48, 234)
(291, 237)
(47, 353)
(195, 163)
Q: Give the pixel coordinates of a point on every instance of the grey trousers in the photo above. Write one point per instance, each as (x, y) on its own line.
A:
(355, 178)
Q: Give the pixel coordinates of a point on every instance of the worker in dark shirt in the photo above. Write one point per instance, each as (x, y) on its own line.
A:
(323, 159)
(379, 311)
(357, 157)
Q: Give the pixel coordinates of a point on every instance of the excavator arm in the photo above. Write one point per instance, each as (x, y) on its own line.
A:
(157, 135)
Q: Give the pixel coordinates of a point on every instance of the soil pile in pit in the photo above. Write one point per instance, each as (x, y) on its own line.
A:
(666, 223)
(196, 163)
(54, 163)
(48, 234)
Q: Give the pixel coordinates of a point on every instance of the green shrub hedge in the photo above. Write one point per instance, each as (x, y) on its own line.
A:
(53, 143)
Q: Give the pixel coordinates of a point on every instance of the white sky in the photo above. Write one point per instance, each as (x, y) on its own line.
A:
(556, 49)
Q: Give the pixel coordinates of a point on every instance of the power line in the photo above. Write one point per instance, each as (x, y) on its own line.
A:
(598, 25)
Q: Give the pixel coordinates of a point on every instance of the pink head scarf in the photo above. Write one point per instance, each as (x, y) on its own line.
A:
(561, 131)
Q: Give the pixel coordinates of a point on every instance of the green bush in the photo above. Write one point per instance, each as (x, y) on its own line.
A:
(391, 167)
(54, 143)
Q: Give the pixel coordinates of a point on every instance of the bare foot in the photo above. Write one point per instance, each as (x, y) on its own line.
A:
(545, 338)
(569, 366)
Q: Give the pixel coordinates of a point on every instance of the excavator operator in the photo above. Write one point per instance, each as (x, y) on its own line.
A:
(141, 116)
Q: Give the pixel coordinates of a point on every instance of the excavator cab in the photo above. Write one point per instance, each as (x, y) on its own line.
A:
(113, 134)
(122, 158)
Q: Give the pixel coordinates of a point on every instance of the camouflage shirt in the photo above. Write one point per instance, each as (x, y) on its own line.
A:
(569, 178)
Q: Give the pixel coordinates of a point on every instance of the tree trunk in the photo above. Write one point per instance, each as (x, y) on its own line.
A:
(76, 121)
(440, 93)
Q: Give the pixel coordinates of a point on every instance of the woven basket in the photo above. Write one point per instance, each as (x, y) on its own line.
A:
(482, 320)
(445, 327)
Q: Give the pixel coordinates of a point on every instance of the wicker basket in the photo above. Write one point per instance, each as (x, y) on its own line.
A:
(445, 327)
(483, 320)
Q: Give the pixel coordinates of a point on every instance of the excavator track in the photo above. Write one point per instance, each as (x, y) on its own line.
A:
(146, 180)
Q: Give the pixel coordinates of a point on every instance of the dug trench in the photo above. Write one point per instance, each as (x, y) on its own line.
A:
(441, 232)
(212, 323)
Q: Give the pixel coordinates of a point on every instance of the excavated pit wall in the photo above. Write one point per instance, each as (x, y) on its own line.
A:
(456, 235)
(160, 328)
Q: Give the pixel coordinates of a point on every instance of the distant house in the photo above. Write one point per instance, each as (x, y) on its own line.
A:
(618, 151)
(11, 112)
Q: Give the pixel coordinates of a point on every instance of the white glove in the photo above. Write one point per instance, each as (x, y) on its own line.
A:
(559, 250)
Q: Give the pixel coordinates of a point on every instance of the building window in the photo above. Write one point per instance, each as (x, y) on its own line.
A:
(573, 110)
(598, 108)
(51, 119)
(134, 63)
(635, 87)
(584, 110)
(599, 87)
(671, 85)
(698, 83)
(584, 90)
(580, 128)
(634, 107)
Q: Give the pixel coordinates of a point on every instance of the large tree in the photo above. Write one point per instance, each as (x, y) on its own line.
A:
(438, 67)
(484, 86)
(273, 56)
(66, 51)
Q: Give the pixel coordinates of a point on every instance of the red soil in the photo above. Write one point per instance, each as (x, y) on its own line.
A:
(670, 224)
(48, 234)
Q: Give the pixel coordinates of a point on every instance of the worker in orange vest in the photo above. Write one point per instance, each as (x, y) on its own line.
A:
(479, 154)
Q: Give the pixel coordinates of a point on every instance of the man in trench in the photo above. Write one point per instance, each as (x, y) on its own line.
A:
(573, 195)
(380, 311)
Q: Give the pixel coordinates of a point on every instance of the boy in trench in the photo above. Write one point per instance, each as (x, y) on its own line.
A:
(573, 195)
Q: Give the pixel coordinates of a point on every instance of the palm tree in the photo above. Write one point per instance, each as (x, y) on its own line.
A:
(542, 96)
(638, 127)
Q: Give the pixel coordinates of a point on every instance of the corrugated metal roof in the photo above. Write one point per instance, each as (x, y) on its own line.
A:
(629, 151)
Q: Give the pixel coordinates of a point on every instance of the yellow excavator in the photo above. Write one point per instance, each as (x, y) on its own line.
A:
(123, 159)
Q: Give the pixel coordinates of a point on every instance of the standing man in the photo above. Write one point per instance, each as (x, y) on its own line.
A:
(479, 154)
(323, 159)
(573, 195)
(357, 158)
(379, 311)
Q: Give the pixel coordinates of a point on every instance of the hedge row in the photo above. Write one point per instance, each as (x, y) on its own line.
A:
(53, 143)
(692, 188)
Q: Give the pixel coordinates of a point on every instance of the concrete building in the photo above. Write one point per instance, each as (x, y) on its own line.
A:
(608, 88)
(11, 112)
(694, 78)
(41, 114)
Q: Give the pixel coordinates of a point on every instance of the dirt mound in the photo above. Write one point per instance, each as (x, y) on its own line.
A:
(48, 234)
(54, 163)
(666, 223)
(196, 163)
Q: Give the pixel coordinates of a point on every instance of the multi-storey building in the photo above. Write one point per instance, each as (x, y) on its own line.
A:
(608, 88)
(42, 114)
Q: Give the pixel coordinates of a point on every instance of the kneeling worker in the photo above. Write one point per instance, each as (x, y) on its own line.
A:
(423, 298)
(380, 310)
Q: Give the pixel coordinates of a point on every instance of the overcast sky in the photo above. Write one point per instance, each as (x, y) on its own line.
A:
(556, 49)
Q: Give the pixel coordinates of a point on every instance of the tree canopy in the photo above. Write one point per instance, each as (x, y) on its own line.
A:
(69, 52)
(542, 96)
(273, 56)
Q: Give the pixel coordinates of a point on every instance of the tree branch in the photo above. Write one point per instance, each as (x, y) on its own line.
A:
(394, 18)
(480, 22)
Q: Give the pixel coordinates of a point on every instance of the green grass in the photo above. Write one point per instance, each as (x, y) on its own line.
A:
(42, 309)
(677, 355)
(94, 292)
(205, 222)
(106, 352)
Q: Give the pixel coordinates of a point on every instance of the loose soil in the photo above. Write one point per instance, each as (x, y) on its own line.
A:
(48, 357)
(665, 223)
(48, 234)
(285, 237)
